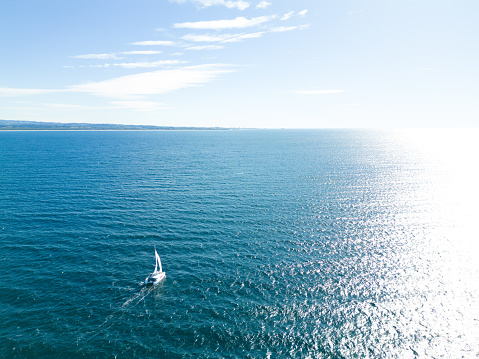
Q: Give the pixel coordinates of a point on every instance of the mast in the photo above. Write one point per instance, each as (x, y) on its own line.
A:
(156, 262)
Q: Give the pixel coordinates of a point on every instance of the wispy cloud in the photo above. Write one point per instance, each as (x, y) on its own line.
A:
(290, 28)
(154, 43)
(205, 47)
(145, 52)
(238, 23)
(288, 15)
(263, 5)
(114, 56)
(241, 37)
(221, 38)
(303, 12)
(63, 106)
(134, 87)
(140, 105)
(12, 92)
(238, 4)
(97, 56)
(154, 83)
(206, 37)
(132, 65)
(318, 92)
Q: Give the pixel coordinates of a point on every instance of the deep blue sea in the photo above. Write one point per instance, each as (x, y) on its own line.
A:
(275, 244)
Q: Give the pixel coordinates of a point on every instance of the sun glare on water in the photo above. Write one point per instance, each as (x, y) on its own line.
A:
(447, 250)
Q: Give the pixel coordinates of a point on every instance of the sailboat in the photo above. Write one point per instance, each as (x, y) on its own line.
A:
(158, 275)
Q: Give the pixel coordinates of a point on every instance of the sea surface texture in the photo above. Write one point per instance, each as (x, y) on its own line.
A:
(275, 244)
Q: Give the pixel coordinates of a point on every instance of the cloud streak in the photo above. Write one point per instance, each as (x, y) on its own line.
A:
(96, 56)
(289, 28)
(238, 4)
(287, 16)
(14, 92)
(133, 65)
(159, 82)
(140, 52)
(241, 37)
(154, 43)
(114, 56)
(206, 37)
(225, 38)
(134, 87)
(140, 105)
(237, 23)
(205, 47)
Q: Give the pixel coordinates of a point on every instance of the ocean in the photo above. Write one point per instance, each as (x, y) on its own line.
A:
(275, 244)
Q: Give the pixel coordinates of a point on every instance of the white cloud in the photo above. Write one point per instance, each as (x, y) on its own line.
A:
(288, 15)
(114, 56)
(146, 52)
(220, 38)
(263, 5)
(153, 83)
(205, 47)
(206, 38)
(8, 92)
(238, 4)
(318, 92)
(98, 66)
(97, 56)
(241, 5)
(62, 106)
(140, 105)
(133, 65)
(238, 23)
(242, 37)
(289, 28)
(153, 43)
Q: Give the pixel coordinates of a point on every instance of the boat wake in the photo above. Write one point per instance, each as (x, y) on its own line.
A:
(138, 297)
(134, 299)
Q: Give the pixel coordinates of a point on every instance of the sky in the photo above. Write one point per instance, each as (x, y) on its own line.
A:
(241, 63)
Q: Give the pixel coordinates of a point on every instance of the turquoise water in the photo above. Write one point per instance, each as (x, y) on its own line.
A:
(276, 244)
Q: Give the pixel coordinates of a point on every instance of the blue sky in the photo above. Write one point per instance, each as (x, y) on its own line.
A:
(241, 63)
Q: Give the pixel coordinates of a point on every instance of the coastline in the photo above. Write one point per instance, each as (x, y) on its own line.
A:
(7, 125)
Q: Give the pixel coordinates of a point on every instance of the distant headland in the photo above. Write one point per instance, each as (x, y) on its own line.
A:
(7, 125)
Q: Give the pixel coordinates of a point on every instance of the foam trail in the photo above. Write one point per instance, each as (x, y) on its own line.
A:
(138, 297)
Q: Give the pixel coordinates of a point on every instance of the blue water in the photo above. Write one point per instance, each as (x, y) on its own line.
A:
(276, 244)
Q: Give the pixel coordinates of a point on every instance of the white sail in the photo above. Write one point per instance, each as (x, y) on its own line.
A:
(158, 262)
(157, 276)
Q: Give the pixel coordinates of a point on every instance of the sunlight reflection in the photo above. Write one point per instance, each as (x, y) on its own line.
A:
(446, 247)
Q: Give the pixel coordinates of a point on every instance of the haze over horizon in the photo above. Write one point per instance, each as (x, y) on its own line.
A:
(241, 63)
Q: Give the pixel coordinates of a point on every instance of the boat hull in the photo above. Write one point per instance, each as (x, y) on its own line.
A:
(154, 279)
